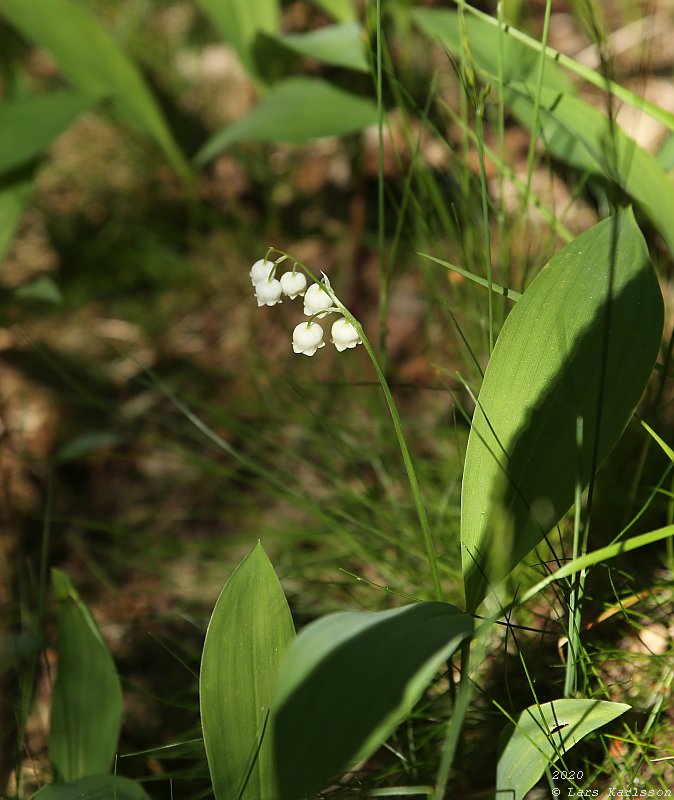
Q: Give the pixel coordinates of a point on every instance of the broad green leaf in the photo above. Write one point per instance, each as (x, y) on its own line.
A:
(239, 22)
(340, 10)
(86, 711)
(349, 680)
(42, 289)
(542, 734)
(554, 361)
(97, 787)
(248, 635)
(520, 63)
(341, 45)
(89, 57)
(665, 156)
(14, 197)
(296, 110)
(583, 137)
(30, 124)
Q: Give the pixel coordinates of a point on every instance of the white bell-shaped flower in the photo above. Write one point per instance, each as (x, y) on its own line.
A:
(293, 283)
(317, 300)
(344, 335)
(261, 270)
(307, 338)
(268, 292)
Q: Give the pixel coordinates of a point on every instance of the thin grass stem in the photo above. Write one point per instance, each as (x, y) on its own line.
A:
(573, 636)
(383, 266)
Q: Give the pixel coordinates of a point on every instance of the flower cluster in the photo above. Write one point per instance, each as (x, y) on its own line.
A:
(319, 300)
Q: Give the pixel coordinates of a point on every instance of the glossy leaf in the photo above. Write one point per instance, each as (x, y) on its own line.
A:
(296, 110)
(582, 136)
(90, 58)
(86, 711)
(520, 63)
(544, 733)
(28, 125)
(239, 22)
(248, 635)
(349, 680)
(97, 787)
(548, 368)
(340, 45)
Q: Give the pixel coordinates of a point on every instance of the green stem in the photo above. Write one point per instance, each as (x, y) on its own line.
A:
(427, 539)
(537, 102)
(573, 635)
(407, 458)
(479, 119)
(383, 271)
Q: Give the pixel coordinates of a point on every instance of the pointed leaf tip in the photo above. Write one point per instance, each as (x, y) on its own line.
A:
(247, 637)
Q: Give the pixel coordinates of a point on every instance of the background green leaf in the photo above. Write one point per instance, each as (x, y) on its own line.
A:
(340, 10)
(531, 746)
(14, 197)
(89, 57)
(520, 63)
(522, 461)
(665, 156)
(582, 136)
(296, 110)
(349, 679)
(340, 45)
(573, 130)
(97, 787)
(248, 635)
(31, 123)
(86, 711)
(239, 22)
(557, 60)
(42, 289)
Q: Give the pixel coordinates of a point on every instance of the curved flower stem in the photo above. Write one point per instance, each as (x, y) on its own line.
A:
(407, 458)
(427, 539)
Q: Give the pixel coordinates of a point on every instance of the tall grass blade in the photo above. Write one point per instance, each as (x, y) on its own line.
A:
(518, 62)
(618, 548)
(86, 711)
(248, 635)
(580, 135)
(557, 59)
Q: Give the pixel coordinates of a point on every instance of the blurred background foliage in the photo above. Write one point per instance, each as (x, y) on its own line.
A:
(154, 421)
